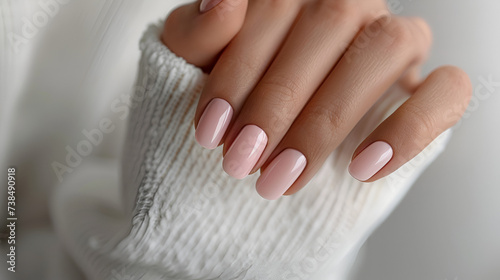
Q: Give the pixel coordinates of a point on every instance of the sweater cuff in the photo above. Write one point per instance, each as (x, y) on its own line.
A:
(163, 102)
(161, 60)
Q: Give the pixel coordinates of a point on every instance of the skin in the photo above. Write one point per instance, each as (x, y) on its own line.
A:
(306, 71)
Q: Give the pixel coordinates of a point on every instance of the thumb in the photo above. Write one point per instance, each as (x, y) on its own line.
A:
(199, 31)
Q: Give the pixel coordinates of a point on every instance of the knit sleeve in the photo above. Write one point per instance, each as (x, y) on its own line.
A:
(162, 107)
(186, 219)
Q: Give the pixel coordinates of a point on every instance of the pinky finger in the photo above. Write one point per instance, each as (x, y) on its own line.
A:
(438, 103)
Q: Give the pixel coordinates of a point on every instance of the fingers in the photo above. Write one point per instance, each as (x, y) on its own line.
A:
(437, 104)
(241, 66)
(314, 45)
(199, 31)
(284, 100)
(312, 48)
(377, 58)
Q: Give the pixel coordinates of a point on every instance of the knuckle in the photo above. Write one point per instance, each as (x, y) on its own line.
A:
(323, 117)
(322, 122)
(329, 117)
(419, 121)
(280, 90)
(239, 64)
(396, 32)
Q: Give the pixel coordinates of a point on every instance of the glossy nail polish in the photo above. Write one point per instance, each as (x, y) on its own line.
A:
(370, 160)
(245, 151)
(207, 5)
(213, 123)
(280, 174)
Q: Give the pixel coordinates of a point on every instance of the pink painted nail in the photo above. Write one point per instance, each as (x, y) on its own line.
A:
(207, 5)
(245, 151)
(213, 123)
(370, 160)
(281, 174)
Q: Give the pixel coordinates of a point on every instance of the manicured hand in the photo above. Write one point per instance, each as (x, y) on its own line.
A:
(290, 79)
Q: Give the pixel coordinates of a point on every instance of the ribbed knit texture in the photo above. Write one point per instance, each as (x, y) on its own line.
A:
(184, 218)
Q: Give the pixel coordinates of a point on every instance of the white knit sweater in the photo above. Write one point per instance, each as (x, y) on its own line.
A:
(177, 215)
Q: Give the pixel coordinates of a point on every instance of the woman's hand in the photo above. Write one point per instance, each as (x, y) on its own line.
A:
(290, 79)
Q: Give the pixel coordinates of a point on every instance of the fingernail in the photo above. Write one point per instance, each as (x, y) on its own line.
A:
(245, 151)
(281, 174)
(206, 5)
(213, 123)
(370, 160)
